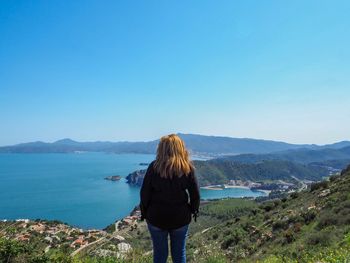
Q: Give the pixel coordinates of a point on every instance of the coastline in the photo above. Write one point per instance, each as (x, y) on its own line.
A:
(225, 186)
(222, 187)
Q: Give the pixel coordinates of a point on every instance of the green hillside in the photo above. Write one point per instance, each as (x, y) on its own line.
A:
(219, 171)
(310, 226)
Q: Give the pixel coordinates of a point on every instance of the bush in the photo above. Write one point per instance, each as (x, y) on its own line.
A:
(268, 206)
(280, 224)
(333, 178)
(296, 219)
(216, 259)
(9, 249)
(327, 220)
(227, 242)
(289, 236)
(322, 238)
(276, 202)
(309, 216)
(235, 237)
(319, 185)
(294, 195)
(345, 217)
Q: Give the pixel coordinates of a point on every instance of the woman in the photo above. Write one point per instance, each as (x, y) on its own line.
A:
(169, 197)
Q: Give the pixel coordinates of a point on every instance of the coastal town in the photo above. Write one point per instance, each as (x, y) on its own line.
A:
(278, 185)
(50, 235)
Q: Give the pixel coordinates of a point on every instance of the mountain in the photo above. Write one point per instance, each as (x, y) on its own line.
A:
(303, 156)
(229, 145)
(198, 144)
(69, 146)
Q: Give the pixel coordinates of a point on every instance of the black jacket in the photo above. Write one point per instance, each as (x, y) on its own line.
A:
(165, 202)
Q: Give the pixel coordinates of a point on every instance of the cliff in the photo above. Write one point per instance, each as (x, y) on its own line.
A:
(136, 178)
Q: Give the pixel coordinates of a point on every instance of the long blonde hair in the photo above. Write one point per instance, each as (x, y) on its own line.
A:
(172, 157)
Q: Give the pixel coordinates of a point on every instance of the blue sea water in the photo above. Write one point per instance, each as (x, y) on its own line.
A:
(71, 187)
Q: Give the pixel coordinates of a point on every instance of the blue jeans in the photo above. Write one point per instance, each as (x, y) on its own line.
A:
(160, 243)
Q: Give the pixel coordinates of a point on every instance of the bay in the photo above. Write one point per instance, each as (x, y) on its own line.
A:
(71, 187)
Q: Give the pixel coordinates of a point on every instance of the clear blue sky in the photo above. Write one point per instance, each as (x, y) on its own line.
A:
(135, 70)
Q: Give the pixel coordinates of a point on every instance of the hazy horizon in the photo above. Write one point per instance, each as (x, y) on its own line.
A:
(152, 139)
(121, 71)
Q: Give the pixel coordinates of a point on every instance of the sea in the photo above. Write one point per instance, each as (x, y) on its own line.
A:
(70, 187)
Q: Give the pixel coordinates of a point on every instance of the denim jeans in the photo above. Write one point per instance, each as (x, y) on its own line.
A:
(160, 243)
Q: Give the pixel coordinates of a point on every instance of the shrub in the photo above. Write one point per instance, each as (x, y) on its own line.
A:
(346, 204)
(296, 219)
(268, 206)
(276, 202)
(216, 259)
(297, 227)
(320, 238)
(289, 236)
(227, 242)
(294, 195)
(345, 217)
(332, 178)
(319, 185)
(10, 249)
(327, 220)
(280, 224)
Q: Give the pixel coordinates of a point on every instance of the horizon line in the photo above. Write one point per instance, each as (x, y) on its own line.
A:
(181, 133)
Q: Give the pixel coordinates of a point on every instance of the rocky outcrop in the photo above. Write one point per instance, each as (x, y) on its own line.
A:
(113, 178)
(136, 178)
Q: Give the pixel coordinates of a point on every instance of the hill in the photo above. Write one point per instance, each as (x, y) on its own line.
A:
(198, 144)
(310, 226)
(303, 156)
(214, 172)
(220, 172)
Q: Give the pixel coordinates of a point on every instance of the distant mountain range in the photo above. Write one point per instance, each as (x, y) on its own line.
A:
(198, 144)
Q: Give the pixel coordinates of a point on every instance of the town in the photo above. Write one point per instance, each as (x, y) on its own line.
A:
(48, 235)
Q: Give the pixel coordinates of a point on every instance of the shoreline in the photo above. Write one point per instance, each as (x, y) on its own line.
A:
(226, 186)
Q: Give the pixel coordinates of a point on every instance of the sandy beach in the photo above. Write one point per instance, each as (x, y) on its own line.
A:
(212, 187)
(219, 187)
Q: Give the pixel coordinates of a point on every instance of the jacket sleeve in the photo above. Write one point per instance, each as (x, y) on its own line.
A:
(194, 193)
(145, 192)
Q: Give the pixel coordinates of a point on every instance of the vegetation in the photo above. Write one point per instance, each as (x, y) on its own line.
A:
(220, 171)
(308, 226)
(336, 157)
